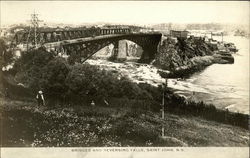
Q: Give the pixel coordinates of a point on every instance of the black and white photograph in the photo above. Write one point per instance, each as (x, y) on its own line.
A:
(124, 79)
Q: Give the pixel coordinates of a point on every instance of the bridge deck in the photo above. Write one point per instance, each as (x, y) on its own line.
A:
(86, 39)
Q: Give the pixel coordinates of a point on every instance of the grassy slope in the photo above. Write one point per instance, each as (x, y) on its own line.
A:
(27, 125)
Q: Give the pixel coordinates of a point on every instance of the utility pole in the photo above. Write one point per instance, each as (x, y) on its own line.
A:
(162, 113)
(163, 109)
(33, 31)
(222, 36)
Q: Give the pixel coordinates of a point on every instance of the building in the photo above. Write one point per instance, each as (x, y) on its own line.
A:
(180, 34)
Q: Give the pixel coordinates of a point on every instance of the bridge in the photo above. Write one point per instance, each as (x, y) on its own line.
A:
(46, 36)
(85, 43)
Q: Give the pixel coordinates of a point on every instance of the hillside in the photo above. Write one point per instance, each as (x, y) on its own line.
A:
(112, 125)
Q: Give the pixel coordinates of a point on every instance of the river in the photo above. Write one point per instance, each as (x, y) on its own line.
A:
(223, 85)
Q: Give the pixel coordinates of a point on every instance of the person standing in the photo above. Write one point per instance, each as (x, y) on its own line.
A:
(40, 98)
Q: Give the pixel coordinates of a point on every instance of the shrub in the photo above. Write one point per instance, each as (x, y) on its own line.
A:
(98, 84)
(135, 131)
(28, 69)
(35, 58)
(6, 54)
(53, 78)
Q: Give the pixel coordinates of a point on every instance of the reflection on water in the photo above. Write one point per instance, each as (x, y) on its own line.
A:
(226, 86)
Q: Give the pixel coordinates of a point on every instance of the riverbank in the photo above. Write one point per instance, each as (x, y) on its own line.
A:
(28, 125)
(224, 85)
(199, 63)
(183, 57)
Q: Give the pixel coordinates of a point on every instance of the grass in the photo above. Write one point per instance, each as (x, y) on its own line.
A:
(27, 125)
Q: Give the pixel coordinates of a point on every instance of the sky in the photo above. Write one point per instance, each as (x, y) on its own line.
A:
(129, 12)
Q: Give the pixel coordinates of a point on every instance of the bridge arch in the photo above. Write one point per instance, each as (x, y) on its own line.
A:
(126, 48)
(86, 49)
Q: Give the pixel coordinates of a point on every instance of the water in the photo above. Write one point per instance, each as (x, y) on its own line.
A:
(225, 86)
(138, 73)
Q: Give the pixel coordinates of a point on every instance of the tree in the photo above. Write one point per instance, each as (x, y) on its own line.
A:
(28, 69)
(53, 78)
(6, 56)
(3, 47)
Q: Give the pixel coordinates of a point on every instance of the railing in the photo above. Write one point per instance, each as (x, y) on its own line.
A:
(60, 35)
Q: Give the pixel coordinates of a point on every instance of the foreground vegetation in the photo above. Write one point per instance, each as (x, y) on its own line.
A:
(115, 125)
(125, 114)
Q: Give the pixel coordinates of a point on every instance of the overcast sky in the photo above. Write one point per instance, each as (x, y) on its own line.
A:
(131, 12)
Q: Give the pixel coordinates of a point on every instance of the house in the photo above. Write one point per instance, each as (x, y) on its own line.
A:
(180, 34)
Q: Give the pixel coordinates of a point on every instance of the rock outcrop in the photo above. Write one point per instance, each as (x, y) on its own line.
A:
(184, 56)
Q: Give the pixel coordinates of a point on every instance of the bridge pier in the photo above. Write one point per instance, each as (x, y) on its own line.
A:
(122, 51)
(115, 50)
(148, 54)
(119, 52)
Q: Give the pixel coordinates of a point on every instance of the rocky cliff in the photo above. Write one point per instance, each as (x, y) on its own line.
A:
(183, 56)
